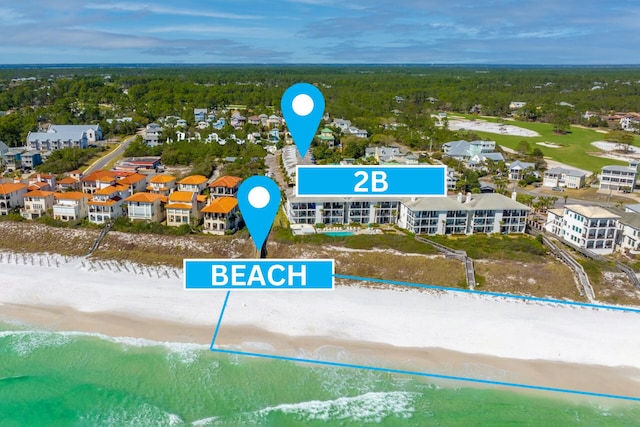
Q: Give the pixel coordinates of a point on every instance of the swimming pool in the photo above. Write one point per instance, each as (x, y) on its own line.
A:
(339, 233)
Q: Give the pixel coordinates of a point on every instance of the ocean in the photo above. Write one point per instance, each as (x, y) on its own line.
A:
(80, 379)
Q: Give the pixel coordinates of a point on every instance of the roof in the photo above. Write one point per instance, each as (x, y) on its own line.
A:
(38, 185)
(591, 211)
(181, 196)
(99, 175)
(617, 168)
(435, 204)
(486, 201)
(62, 132)
(72, 195)
(111, 189)
(10, 187)
(568, 172)
(39, 193)
(132, 179)
(221, 205)
(494, 201)
(201, 198)
(193, 180)
(228, 181)
(631, 219)
(178, 206)
(162, 179)
(633, 207)
(144, 197)
(522, 165)
(556, 212)
(68, 180)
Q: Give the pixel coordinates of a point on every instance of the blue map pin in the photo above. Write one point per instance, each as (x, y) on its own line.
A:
(302, 107)
(259, 200)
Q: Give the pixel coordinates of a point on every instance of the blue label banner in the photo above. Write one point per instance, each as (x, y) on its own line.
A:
(371, 181)
(258, 274)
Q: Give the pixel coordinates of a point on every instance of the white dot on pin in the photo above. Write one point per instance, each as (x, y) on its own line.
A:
(259, 197)
(302, 104)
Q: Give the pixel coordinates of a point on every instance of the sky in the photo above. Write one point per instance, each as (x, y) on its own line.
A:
(320, 31)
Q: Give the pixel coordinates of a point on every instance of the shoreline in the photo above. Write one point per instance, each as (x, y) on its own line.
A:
(513, 341)
(624, 381)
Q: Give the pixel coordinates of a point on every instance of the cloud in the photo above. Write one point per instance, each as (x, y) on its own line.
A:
(164, 10)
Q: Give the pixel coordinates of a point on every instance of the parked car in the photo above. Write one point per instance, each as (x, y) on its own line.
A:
(558, 189)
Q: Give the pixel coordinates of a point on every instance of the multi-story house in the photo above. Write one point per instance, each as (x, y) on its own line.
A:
(162, 184)
(193, 183)
(628, 236)
(71, 206)
(563, 177)
(31, 159)
(221, 216)
(588, 227)
(135, 182)
(97, 180)
(108, 203)
(619, 177)
(11, 196)
(37, 203)
(68, 184)
(145, 207)
(225, 186)
(152, 134)
(182, 208)
(518, 170)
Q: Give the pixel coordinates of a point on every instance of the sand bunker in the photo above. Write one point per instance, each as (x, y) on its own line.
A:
(482, 126)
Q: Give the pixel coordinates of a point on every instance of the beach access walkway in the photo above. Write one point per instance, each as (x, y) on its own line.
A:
(461, 255)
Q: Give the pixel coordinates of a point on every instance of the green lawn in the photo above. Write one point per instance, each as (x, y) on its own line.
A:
(575, 145)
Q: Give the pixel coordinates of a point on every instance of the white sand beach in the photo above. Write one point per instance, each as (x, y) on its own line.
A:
(509, 338)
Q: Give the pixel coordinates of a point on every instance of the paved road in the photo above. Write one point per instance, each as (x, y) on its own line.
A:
(103, 161)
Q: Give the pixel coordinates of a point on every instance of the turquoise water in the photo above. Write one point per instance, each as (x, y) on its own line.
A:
(67, 379)
(339, 233)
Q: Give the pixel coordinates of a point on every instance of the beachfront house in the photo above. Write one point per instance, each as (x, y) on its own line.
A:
(628, 237)
(226, 186)
(162, 184)
(587, 227)
(182, 208)
(145, 207)
(193, 183)
(563, 177)
(11, 196)
(619, 178)
(108, 204)
(37, 203)
(70, 206)
(221, 216)
(57, 137)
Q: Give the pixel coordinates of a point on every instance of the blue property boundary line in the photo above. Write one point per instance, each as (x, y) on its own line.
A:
(417, 373)
(493, 294)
